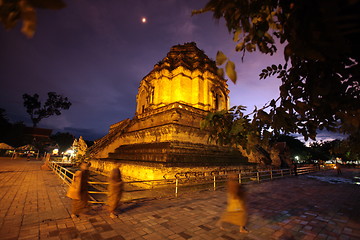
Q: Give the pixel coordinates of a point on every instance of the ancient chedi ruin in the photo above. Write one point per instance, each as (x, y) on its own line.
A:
(165, 132)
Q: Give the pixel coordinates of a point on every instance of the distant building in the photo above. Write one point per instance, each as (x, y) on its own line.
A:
(39, 137)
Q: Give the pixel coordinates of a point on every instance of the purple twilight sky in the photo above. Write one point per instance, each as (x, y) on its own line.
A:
(96, 53)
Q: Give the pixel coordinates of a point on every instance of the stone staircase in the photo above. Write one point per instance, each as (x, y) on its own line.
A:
(110, 137)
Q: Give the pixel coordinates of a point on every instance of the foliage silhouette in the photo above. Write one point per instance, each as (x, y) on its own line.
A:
(52, 106)
(320, 75)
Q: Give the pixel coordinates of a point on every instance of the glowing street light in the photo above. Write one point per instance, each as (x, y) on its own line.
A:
(55, 151)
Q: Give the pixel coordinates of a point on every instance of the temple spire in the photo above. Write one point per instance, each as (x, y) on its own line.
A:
(185, 75)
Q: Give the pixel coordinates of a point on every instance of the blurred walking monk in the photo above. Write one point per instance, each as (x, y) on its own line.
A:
(115, 190)
(338, 168)
(78, 190)
(236, 212)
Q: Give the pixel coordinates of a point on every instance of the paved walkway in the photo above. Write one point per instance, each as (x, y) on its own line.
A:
(33, 206)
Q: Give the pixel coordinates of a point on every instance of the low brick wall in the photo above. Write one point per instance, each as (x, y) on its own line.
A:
(141, 171)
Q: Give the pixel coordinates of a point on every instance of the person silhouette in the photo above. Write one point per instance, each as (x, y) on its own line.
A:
(236, 211)
(115, 190)
(338, 168)
(78, 190)
(295, 167)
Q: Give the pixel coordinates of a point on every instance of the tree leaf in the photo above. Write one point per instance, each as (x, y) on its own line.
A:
(250, 47)
(287, 52)
(220, 58)
(236, 35)
(269, 37)
(239, 47)
(323, 76)
(28, 16)
(230, 71)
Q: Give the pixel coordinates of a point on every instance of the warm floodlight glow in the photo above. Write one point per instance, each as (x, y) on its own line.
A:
(55, 151)
(143, 20)
(69, 152)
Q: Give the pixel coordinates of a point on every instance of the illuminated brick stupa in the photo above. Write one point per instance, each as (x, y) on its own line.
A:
(165, 132)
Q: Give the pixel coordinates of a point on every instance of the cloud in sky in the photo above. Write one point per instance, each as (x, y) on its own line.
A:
(96, 53)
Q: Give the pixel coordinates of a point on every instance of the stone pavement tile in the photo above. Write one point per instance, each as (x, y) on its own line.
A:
(186, 234)
(120, 238)
(344, 237)
(123, 233)
(28, 237)
(174, 237)
(30, 219)
(29, 231)
(8, 229)
(205, 227)
(315, 230)
(102, 227)
(54, 238)
(153, 236)
(139, 231)
(177, 229)
(309, 237)
(228, 237)
(295, 235)
(321, 237)
(308, 233)
(80, 227)
(131, 235)
(9, 236)
(354, 234)
(108, 234)
(148, 230)
(90, 236)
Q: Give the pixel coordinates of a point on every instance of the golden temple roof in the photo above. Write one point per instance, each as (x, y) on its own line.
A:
(189, 56)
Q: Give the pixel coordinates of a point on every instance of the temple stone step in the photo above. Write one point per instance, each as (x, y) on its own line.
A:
(179, 153)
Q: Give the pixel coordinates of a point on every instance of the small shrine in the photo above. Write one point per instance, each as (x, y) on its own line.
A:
(165, 135)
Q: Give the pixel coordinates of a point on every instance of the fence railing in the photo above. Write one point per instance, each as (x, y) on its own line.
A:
(66, 175)
(185, 184)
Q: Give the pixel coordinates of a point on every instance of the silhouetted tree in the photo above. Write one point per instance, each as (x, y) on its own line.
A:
(11, 133)
(3, 118)
(64, 140)
(320, 151)
(295, 146)
(4, 126)
(320, 77)
(352, 144)
(52, 106)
